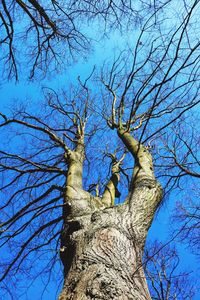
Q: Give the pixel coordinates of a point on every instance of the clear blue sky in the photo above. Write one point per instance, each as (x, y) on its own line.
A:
(162, 226)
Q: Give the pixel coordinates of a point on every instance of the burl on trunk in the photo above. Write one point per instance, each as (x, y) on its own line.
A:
(102, 244)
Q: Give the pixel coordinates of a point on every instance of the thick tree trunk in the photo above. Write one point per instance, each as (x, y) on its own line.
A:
(102, 258)
(102, 249)
(102, 244)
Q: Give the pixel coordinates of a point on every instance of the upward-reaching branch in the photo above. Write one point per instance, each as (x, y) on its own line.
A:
(111, 192)
(143, 160)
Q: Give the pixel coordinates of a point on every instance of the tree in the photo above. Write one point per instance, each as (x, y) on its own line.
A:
(181, 160)
(166, 282)
(56, 31)
(48, 204)
(188, 216)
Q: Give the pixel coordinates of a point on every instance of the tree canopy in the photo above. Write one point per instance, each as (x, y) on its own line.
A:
(130, 120)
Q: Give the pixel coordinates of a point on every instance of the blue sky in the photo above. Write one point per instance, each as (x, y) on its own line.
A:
(162, 226)
(11, 92)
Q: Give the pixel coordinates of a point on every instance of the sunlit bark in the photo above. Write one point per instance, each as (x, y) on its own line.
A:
(102, 247)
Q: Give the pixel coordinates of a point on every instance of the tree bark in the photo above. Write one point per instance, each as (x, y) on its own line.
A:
(102, 245)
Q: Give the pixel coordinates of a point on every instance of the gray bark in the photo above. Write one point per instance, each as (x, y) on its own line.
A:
(102, 245)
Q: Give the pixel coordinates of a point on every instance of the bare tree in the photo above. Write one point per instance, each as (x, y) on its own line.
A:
(49, 202)
(165, 279)
(55, 31)
(179, 154)
(180, 160)
(188, 216)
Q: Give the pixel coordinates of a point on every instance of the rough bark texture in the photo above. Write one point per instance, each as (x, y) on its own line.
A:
(102, 244)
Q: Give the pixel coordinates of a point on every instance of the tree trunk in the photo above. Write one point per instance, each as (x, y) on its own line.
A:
(102, 249)
(102, 244)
